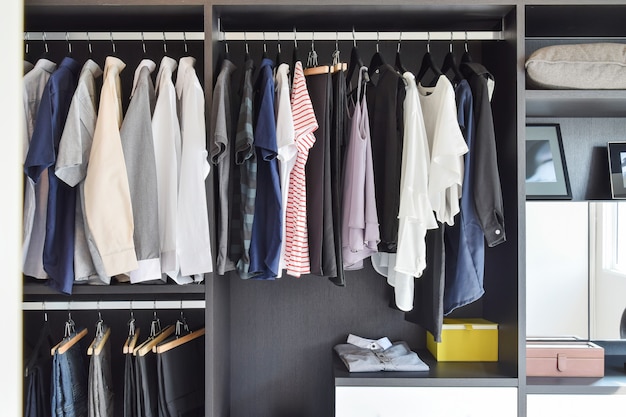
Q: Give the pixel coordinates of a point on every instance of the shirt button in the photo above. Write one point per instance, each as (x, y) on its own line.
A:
(497, 231)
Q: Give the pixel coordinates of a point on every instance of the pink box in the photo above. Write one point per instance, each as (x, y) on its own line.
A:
(564, 359)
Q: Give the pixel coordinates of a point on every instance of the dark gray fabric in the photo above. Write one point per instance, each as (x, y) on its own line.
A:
(130, 387)
(100, 388)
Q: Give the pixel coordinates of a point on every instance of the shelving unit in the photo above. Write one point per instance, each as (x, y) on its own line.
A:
(269, 344)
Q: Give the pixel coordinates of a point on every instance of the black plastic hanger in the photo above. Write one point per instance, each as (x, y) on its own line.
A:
(449, 63)
(398, 64)
(466, 55)
(377, 60)
(355, 60)
(428, 64)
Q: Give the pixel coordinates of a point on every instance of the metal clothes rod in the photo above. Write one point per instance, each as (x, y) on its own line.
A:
(112, 305)
(361, 36)
(116, 36)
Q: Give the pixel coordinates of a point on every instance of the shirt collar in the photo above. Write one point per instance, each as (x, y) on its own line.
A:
(46, 65)
(92, 67)
(113, 64)
(71, 64)
(145, 63)
(186, 63)
(167, 67)
(381, 344)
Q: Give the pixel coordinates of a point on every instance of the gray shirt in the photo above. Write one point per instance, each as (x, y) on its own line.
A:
(138, 147)
(71, 168)
(221, 155)
(398, 357)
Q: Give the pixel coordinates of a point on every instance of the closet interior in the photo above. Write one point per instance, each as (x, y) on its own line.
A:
(269, 345)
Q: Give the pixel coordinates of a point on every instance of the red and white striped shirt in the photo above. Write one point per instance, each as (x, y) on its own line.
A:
(297, 260)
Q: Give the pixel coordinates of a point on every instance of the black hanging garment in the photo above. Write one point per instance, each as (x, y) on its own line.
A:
(318, 182)
(37, 374)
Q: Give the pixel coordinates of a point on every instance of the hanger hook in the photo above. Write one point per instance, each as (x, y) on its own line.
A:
(353, 37)
(278, 42)
(45, 41)
(264, 44)
(336, 40)
(67, 39)
(45, 313)
(377, 40)
(399, 42)
(185, 42)
(143, 43)
(312, 41)
(451, 39)
(112, 43)
(164, 44)
(466, 49)
(27, 38)
(89, 43)
(428, 43)
(295, 38)
(245, 39)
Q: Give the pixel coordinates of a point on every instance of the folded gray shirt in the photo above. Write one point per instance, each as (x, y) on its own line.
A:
(398, 357)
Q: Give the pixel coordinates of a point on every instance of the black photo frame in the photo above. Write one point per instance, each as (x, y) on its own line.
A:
(546, 171)
(617, 168)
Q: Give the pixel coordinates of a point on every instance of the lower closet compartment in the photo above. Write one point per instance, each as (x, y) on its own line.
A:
(175, 370)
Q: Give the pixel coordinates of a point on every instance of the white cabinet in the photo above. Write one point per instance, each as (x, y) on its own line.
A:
(425, 401)
(550, 405)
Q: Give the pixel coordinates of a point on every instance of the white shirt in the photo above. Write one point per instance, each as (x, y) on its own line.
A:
(35, 194)
(193, 238)
(287, 149)
(107, 196)
(447, 147)
(166, 136)
(415, 212)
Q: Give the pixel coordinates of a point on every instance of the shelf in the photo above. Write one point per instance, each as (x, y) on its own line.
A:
(34, 291)
(614, 381)
(575, 103)
(441, 374)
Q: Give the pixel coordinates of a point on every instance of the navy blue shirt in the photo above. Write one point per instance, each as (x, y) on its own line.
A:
(266, 238)
(465, 241)
(58, 250)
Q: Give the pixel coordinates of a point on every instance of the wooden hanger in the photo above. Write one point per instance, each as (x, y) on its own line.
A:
(131, 342)
(147, 346)
(181, 340)
(66, 344)
(96, 346)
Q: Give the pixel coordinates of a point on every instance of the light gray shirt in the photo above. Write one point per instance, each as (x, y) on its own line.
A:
(138, 147)
(398, 357)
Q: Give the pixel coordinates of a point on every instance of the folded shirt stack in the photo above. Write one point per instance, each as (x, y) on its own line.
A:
(368, 355)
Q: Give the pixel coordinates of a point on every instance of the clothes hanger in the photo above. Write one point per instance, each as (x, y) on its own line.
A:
(449, 63)
(180, 341)
(90, 49)
(245, 40)
(377, 60)
(45, 336)
(46, 51)
(312, 65)
(69, 45)
(398, 63)
(133, 334)
(466, 55)
(143, 45)
(428, 64)
(185, 44)
(102, 334)
(355, 60)
(156, 336)
(264, 47)
(70, 337)
(180, 326)
(337, 65)
(279, 52)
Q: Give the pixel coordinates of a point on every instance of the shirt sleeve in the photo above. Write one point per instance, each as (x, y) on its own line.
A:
(41, 150)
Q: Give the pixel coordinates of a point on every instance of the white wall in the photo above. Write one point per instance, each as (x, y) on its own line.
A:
(11, 29)
(557, 268)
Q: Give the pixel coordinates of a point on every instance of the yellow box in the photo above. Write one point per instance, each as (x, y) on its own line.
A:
(465, 340)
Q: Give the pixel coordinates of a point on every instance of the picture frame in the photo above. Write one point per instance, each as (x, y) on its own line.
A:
(617, 168)
(546, 170)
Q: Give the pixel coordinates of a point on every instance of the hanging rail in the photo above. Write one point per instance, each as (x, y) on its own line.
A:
(361, 36)
(117, 36)
(112, 305)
